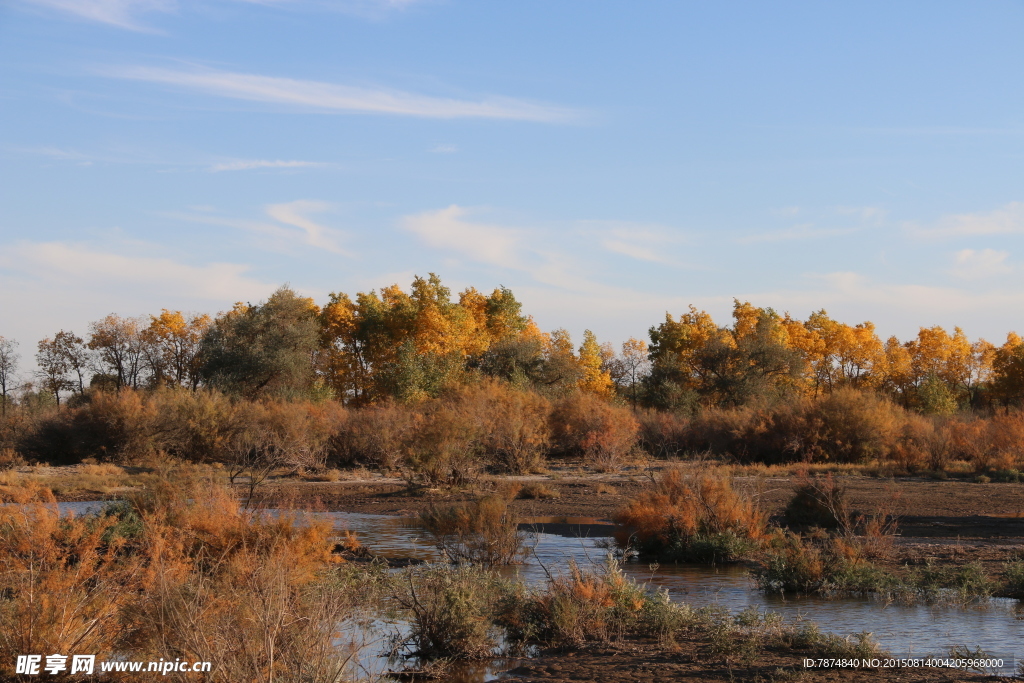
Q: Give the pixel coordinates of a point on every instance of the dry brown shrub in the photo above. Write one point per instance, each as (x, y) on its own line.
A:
(484, 532)
(664, 434)
(1008, 435)
(241, 589)
(602, 433)
(846, 426)
(111, 427)
(589, 604)
(63, 584)
(692, 517)
(445, 449)
(514, 425)
(9, 459)
(376, 436)
(197, 426)
(538, 491)
(181, 572)
(851, 426)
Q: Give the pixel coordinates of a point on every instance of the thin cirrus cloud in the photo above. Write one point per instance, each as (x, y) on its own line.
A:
(804, 231)
(452, 229)
(1006, 220)
(640, 241)
(971, 264)
(119, 13)
(127, 14)
(292, 224)
(67, 262)
(256, 164)
(319, 96)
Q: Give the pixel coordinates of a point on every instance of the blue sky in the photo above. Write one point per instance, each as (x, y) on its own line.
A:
(607, 161)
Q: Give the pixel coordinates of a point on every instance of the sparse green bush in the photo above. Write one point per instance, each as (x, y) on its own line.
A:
(452, 613)
(1013, 576)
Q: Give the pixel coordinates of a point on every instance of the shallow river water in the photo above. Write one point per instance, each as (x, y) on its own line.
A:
(997, 625)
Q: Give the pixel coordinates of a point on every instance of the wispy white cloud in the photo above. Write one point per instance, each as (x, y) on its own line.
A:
(1007, 220)
(975, 265)
(532, 251)
(641, 241)
(444, 149)
(449, 229)
(892, 303)
(867, 214)
(128, 14)
(634, 250)
(518, 249)
(92, 268)
(296, 214)
(253, 164)
(120, 13)
(804, 231)
(332, 97)
(292, 224)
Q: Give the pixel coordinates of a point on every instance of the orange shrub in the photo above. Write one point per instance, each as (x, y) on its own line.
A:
(376, 436)
(515, 432)
(445, 449)
(603, 433)
(111, 427)
(691, 518)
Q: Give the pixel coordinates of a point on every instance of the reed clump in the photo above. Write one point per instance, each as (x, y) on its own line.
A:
(692, 518)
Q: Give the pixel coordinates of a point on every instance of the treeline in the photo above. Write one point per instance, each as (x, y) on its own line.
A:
(448, 385)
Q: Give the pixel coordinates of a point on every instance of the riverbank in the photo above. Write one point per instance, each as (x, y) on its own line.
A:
(952, 521)
(689, 660)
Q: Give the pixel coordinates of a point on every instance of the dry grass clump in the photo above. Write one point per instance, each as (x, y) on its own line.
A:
(605, 489)
(328, 475)
(538, 491)
(822, 503)
(692, 518)
(484, 532)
